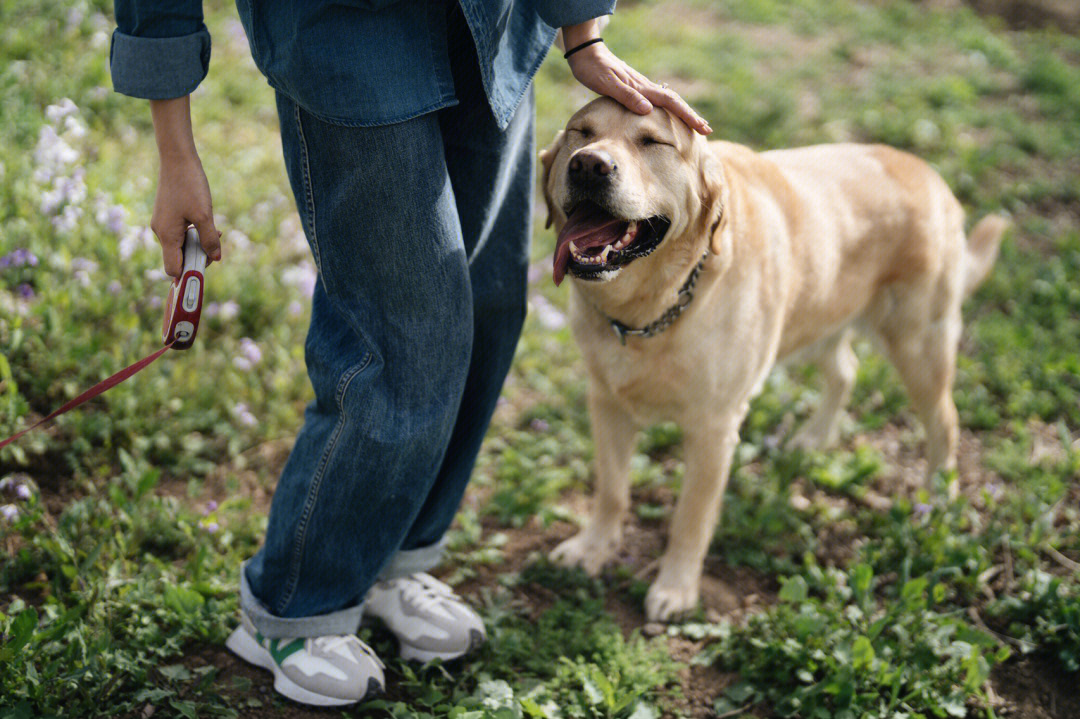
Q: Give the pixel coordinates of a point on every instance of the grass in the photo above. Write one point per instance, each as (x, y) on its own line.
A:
(123, 525)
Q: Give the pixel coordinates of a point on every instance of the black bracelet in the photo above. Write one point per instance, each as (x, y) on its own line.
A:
(583, 45)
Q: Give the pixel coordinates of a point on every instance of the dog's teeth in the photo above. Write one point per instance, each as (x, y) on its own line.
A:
(631, 228)
(605, 253)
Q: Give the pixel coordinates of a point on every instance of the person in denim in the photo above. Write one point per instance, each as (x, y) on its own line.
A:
(407, 131)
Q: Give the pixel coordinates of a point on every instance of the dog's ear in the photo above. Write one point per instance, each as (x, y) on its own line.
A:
(714, 195)
(547, 159)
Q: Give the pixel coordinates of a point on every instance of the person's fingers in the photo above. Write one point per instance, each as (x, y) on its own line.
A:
(668, 99)
(209, 236)
(171, 238)
(626, 94)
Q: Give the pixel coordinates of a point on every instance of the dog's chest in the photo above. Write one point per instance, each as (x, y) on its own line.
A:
(650, 382)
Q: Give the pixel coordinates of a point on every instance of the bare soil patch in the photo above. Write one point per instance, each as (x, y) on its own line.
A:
(1036, 687)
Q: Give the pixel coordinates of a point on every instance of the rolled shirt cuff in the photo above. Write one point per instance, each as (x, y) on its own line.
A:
(159, 68)
(343, 621)
(559, 13)
(411, 561)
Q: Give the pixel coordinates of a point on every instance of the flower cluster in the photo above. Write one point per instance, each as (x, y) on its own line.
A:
(16, 486)
(61, 177)
(250, 354)
(19, 257)
(209, 521)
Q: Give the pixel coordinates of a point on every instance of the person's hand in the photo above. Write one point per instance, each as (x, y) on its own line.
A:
(597, 68)
(183, 193)
(183, 198)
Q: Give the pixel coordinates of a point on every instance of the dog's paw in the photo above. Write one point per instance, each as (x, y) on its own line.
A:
(666, 602)
(586, 550)
(811, 437)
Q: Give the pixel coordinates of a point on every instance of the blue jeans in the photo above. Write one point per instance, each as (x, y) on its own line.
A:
(419, 231)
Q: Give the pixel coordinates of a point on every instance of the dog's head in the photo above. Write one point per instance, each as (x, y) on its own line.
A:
(621, 186)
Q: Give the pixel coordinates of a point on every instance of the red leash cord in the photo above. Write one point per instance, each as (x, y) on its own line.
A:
(94, 391)
(182, 311)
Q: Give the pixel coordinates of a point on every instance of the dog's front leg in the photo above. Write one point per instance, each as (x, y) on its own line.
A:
(709, 448)
(614, 434)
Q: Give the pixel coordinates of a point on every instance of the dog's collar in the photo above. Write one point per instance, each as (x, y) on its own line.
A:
(682, 301)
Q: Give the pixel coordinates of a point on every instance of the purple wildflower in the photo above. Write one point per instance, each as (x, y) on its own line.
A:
(25, 291)
(243, 414)
(19, 257)
(212, 527)
(22, 492)
(922, 509)
(112, 217)
(210, 507)
(9, 512)
(229, 309)
(302, 277)
(539, 425)
(550, 316)
(251, 350)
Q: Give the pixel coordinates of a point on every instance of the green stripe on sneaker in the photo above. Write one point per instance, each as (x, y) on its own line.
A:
(281, 651)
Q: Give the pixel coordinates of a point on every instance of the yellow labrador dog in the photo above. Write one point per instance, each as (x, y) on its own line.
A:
(697, 265)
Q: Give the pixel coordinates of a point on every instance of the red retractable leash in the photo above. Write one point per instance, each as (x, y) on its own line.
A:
(182, 311)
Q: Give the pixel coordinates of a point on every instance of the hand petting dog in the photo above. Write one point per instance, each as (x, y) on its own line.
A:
(598, 69)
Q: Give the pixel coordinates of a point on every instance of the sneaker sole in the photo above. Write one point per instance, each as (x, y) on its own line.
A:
(243, 645)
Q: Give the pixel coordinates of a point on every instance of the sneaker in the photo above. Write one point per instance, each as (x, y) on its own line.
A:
(429, 620)
(321, 671)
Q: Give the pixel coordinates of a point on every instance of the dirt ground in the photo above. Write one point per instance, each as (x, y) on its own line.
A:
(1061, 14)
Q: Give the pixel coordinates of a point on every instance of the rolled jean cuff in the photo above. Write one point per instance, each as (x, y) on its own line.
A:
(343, 621)
(411, 561)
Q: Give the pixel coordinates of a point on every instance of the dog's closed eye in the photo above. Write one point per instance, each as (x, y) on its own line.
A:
(649, 140)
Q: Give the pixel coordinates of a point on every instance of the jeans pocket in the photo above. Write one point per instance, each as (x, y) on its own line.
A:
(309, 193)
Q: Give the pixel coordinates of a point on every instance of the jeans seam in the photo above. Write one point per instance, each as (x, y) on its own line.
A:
(309, 195)
(313, 493)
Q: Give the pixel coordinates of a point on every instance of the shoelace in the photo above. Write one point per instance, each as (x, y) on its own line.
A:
(424, 591)
(331, 642)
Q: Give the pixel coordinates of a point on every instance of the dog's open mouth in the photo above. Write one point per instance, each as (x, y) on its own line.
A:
(594, 241)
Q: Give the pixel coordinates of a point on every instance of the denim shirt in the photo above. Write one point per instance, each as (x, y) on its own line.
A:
(352, 62)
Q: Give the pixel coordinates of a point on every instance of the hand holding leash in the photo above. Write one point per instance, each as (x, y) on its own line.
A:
(183, 193)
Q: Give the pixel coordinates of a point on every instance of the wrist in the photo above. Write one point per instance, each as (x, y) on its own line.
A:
(574, 35)
(172, 130)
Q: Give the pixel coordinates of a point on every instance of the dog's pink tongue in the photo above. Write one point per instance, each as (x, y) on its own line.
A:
(587, 226)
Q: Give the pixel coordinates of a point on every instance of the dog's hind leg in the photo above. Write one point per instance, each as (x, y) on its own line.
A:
(709, 448)
(926, 360)
(614, 434)
(838, 365)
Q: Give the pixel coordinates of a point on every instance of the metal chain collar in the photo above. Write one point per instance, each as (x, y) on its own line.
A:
(685, 297)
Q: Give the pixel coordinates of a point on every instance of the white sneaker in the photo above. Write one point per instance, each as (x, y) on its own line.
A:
(321, 671)
(429, 620)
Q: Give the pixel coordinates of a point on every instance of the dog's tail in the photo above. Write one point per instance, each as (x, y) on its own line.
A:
(982, 250)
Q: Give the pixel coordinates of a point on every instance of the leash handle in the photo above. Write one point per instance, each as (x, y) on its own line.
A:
(184, 304)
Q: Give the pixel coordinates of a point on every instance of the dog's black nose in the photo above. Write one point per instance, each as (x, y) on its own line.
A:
(591, 167)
